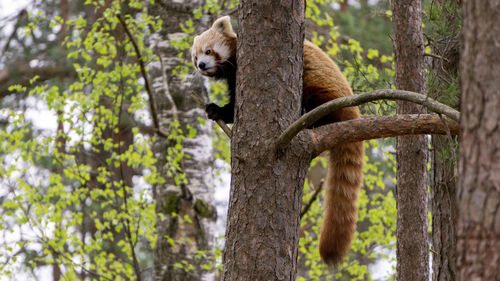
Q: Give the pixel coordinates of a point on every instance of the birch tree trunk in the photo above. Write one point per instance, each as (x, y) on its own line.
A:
(479, 186)
(262, 231)
(195, 198)
(411, 174)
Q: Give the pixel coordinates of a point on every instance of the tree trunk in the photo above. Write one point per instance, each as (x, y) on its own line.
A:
(444, 210)
(266, 189)
(344, 6)
(195, 198)
(442, 87)
(411, 175)
(479, 186)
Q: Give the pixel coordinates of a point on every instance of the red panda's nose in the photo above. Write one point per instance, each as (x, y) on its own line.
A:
(201, 65)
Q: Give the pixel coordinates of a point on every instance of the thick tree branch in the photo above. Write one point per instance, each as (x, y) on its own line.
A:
(379, 127)
(314, 115)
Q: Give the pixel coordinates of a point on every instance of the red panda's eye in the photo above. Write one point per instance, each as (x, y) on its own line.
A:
(207, 52)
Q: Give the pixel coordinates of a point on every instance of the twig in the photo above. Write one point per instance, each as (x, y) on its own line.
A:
(82, 267)
(436, 56)
(313, 198)
(450, 138)
(125, 221)
(319, 112)
(221, 123)
(152, 102)
(432, 250)
(20, 16)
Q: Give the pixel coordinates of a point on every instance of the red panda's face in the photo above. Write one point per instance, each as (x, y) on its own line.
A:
(209, 53)
(214, 48)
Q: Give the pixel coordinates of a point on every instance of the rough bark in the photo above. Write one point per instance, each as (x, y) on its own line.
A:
(441, 86)
(344, 6)
(444, 210)
(411, 189)
(266, 189)
(306, 120)
(479, 186)
(194, 199)
(380, 127)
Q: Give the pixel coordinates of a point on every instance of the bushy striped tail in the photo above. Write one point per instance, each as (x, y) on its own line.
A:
(344, 179)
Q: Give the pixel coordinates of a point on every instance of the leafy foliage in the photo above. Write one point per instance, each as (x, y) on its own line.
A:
(442, 30)
(79, 197)
(375, 238)
(366, 70)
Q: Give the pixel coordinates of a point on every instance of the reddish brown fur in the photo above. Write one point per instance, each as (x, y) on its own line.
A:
(322, 82)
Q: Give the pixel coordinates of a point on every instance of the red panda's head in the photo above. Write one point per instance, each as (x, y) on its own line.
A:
(215, 49)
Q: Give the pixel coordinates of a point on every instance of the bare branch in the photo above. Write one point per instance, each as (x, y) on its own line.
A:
(20, 16)
(317, 190)
(379, 127)
(436, 56)
(321, 111)
(221, 123)
(152, 101)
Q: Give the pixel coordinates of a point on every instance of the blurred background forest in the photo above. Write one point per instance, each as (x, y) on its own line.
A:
(109, 169)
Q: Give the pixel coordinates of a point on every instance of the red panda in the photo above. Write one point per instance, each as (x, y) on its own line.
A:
(214, 55)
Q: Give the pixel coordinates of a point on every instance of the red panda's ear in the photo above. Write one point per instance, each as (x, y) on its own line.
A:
(223, 25)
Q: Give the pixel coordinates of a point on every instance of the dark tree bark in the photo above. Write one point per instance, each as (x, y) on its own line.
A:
(479, 186)
(444, 210)
(266, 189)
(344, 5)
(441, 83)
(263, 223)
(381, 127)
(411, 175)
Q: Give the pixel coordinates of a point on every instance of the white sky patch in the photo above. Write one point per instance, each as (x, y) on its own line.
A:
(9, 8)
(143, 115)
(43, 119)
(222, 183)
(142, 189)
(39, 114)
(34, 63)
(383, 268)
(28, 232)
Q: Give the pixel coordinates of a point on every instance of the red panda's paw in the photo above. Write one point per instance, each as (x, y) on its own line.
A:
(213, 111)
(225, 113)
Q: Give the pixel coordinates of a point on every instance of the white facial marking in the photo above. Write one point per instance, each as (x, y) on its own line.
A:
(209, 68)
(208, 60)
(204, 48)
(223, 50)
